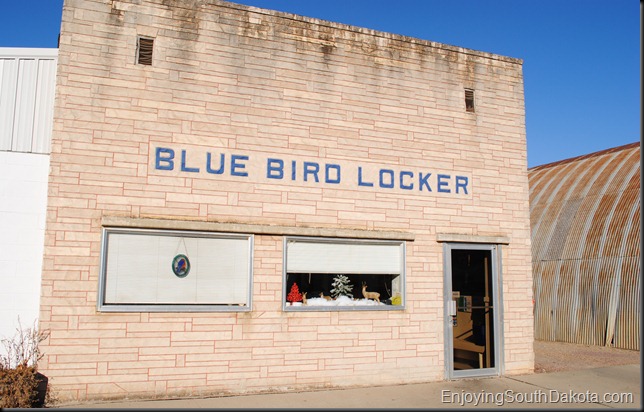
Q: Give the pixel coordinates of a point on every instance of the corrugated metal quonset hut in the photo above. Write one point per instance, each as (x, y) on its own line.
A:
(585, 216)
(227, 181)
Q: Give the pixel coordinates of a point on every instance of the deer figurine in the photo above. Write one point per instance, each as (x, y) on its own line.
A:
(304, 301)
(370, 295)
(322, 295)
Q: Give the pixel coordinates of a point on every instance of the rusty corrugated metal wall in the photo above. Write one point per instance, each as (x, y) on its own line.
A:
(585, 220)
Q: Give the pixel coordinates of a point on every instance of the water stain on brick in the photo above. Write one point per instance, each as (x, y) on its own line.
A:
(328, 46)
(116, 14)
(187, 14)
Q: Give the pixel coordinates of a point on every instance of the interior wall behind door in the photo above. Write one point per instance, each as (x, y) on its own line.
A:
(473, 329)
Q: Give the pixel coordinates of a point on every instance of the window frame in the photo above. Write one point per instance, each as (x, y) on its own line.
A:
(103, 306)
(403, 265)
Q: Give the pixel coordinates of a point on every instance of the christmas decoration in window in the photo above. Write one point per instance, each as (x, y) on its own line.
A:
(344, 274)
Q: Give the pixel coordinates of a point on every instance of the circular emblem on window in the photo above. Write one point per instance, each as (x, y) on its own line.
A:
(181, 266)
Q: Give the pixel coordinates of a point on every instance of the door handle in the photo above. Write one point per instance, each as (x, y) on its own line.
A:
(452, 308)
(452, 312)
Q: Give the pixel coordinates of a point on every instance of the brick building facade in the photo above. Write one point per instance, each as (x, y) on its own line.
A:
(207, 156)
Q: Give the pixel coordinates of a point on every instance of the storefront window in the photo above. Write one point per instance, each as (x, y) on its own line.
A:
(155, 270)
(343, 274)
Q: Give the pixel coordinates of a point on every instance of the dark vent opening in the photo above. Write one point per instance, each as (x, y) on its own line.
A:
(144, 51)
(469, 100)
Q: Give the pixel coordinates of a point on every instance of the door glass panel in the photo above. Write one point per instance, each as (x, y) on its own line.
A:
(472, 327)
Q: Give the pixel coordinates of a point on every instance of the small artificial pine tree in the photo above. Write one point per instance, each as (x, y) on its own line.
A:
(341, 286)
(294, 295)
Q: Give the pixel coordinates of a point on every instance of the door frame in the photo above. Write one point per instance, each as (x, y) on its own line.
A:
(497, 313)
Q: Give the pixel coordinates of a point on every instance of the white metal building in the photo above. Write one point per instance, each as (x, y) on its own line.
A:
(27, 84)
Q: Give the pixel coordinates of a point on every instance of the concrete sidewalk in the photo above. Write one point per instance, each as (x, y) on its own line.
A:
(609, 387)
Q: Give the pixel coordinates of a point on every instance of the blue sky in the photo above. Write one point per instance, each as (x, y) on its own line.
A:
(581, 58)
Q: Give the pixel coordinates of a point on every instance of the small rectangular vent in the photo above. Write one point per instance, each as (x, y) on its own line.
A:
(469, 100)
(144, 49)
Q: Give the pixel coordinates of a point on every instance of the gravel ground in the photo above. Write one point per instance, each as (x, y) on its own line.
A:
(560, 356)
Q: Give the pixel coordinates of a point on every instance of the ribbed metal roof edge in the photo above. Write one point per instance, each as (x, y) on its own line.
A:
(586, 156)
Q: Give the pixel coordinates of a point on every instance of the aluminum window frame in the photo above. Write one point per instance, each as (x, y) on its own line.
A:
(403, 275)
(103, 306)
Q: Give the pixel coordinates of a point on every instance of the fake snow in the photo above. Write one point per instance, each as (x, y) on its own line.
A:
(342, 301)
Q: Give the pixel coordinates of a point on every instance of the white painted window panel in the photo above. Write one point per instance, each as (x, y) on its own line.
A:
(224, 271)
(346, 258)
(139, 270)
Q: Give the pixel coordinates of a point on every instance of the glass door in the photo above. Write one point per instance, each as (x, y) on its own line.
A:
(472, 319)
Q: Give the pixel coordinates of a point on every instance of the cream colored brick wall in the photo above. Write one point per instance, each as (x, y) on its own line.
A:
(239, 80)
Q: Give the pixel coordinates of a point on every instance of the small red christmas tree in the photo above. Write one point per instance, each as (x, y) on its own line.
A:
(294, 295)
